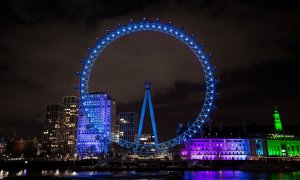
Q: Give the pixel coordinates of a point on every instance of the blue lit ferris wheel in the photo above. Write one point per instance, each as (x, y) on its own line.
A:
(168, 29)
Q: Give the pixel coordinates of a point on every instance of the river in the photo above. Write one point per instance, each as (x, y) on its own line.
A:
(203, 175)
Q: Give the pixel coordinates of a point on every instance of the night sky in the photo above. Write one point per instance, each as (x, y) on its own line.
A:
(253, 45)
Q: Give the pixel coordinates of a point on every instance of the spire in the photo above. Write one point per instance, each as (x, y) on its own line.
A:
(277, 121)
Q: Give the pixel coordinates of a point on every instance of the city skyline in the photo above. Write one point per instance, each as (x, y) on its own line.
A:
(253, 72)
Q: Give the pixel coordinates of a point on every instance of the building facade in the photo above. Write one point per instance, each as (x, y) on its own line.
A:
(54, 128)
(217, 149)
(280, 143)
(23, 147)
(242, 147)
(258, 147)
(128, 124)
(94, 129)
(284, 147)
(70, 122)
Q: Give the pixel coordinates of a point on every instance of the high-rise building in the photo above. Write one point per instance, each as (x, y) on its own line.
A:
(128, 124)
(114, 125)
(53, 132)
(94, 128)
(70, 122)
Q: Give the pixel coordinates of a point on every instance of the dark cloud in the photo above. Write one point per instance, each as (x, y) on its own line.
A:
(33, 11)
(254, 45)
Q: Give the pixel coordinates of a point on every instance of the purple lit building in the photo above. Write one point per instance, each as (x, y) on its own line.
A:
(217, 149)
(93, 141)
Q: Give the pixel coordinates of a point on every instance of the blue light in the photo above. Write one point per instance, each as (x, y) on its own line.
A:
(156, 27)
(88, 139)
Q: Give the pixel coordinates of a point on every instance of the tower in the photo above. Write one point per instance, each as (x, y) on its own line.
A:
(277, 122)
(71, 117)
(54, 128)
(147, 97)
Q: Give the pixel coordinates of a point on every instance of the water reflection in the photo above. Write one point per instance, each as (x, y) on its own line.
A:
(3, 174)
(206, 175)
(22, 172)
(234, 175)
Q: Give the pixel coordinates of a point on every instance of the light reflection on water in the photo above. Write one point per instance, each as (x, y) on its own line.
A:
(233, 175)
(205, 175)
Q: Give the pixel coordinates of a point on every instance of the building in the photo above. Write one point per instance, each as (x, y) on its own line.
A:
(54, 128)
(114, 125)
(234, 144)
(147, 139)
(3, 142)
(277, 121)
(216, 143)
(128, 124)
(217, 149)
(70, 122)
(258, 146)
(23, 147)
(280, 143)
(94, 129)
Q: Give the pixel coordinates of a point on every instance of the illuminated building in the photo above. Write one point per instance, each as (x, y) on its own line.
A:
(280, 143)
(70, 122)
(128, 122)
(277, 122)
(216, 143)
(217, 149)
(258, 146)
(93, 131)
(114, 125)
(54, 128)
(147, 139)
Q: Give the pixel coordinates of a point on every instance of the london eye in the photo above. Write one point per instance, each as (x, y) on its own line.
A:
(167, 29)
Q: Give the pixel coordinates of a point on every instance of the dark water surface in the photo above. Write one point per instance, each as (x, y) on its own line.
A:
(204, 175)
(233, 175)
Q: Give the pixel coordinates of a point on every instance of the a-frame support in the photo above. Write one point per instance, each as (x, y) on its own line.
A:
(147, 96)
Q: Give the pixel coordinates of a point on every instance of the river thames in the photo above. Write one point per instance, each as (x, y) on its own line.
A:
(206, 175)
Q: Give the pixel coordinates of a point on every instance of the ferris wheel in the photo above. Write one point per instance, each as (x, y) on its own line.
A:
(167, 29)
